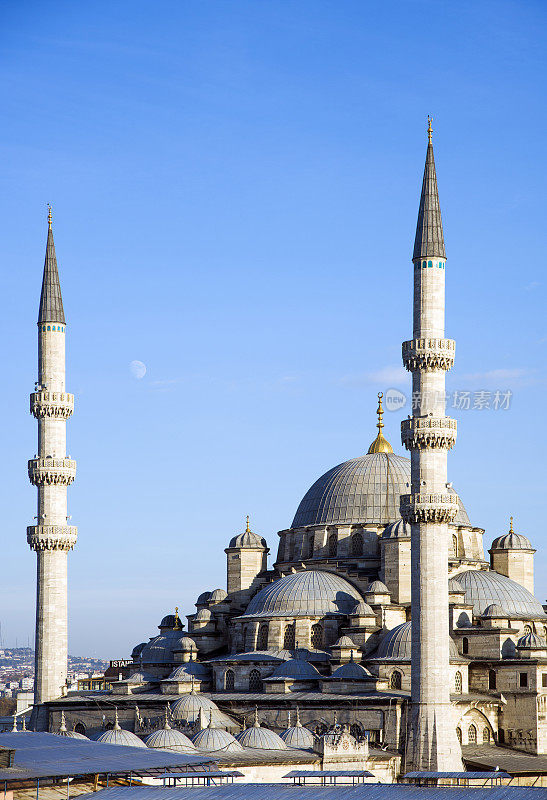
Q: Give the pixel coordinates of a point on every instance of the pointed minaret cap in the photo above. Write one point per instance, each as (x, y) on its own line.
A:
(429, 241)
(380, 444)
(51, 302)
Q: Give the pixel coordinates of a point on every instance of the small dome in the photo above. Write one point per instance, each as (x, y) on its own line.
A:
(345, 641)
(159, 650)
(308, 593)
(63, 730)
(396, 645)
(531, 641)
(484, 587)
(296, 669)
(248, 540)
(171, 621)
(137, 650)
(212, 739)
(139, 677)
(352, 672)
(362, 609)
(169, 739)
(188, 707)
(299, 737)
(218, 595)
(397, 530)
(189, 670)
(203, 615)
(203, 598)
(512, 541)
(377, 587)
(493, 610)
(261, 738)
(186, 645)
(117, 735)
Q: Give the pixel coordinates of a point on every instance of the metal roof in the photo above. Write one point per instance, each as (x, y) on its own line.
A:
(471, 776)
(39, 755)
(429, 241)
(51, 302)
(486, 587)
(366, 489)
(363, 791)
(329, 773)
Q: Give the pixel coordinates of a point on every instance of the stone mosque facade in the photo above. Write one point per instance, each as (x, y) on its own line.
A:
(319, 644)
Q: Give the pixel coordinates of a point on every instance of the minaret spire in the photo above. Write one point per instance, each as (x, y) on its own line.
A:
(51, 471)
(51, 302)
(429, 241)
(432, 744)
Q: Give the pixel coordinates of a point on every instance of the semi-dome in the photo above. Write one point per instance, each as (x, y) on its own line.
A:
(170, 739)
(297, 669)
(351, 672)
(260, 738)
(486, 587)
(214, 739)
(397, 530)
(531, 641)
(366, 489)
(159, 650)
(396, 644)
(310, 593)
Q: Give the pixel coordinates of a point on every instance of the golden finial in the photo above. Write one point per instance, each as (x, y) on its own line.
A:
(49, 215)
(380, 444)
(429, 128)
(511, 525)
(247, 526)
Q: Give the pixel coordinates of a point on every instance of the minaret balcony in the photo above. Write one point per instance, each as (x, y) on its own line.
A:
(429, 354)
(428, 507)
(422, 433)
(55, 405)
(52, 537)
(51, 471)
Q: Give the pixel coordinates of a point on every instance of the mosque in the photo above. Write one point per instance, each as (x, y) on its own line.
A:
(320, 643)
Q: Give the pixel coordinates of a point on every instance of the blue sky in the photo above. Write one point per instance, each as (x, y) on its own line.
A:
(235, 189)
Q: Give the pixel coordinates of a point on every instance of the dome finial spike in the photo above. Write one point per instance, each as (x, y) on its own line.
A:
(288, 719)
(429, 128)
(256, 722)
(116, 721)
(49, 215)
(247, 526)
(298, 717)
(166, 726)
(62, 726)
(511, 525)
(380, 444)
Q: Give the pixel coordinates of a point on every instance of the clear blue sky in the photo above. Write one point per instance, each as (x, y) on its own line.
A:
(235, 189)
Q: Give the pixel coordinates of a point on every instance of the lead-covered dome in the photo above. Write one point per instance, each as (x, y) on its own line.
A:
(311, 593)
(512, 541)
(396, 644)
(363, 490)
(486, 587)
(168, 738)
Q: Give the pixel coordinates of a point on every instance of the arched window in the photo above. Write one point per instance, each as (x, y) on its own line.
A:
(289, 639)
(472, 735)
(454, 546)
(465, 645)
(459, 734)
(309, 550)
(491, 679)
(430, 263)
(255, 681)
(357, 544)
(527, 630)
(486, 735)
(395, 680)
(80, 728)
(333, 545)
(262, 639)
(458, 682)
(424, 264)
(317, 636)
(229, 680)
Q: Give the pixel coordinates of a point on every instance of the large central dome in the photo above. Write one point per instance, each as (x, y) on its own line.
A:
(365, 489)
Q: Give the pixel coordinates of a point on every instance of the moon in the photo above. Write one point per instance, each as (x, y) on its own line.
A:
(137, 369)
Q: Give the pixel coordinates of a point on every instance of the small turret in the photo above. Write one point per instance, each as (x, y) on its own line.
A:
(246, 559)
(512, 555)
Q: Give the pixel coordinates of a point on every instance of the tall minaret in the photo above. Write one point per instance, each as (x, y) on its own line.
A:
(431, 741)
(51, 472)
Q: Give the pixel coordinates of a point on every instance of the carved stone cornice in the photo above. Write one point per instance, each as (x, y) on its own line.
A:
(52, 537)
(429, 354)
(421, 433)
(56, 405)
(51, 471)
(428, 507)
